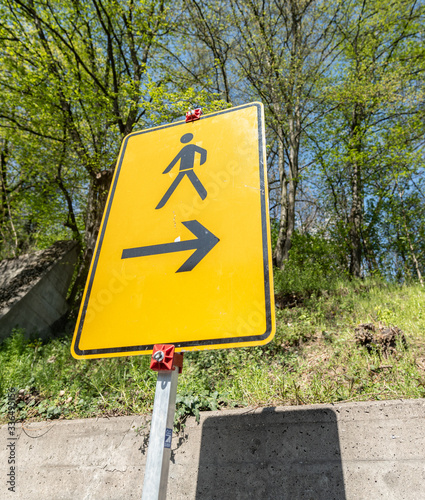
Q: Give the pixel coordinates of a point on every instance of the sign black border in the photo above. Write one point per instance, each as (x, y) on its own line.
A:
(126, 350)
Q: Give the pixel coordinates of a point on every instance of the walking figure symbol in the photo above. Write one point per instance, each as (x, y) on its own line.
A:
(187, 160)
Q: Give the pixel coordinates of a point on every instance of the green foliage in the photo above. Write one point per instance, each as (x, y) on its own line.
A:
(313, 266)
(369, 141)
(190, 405)
(51, 385)
(342, 99)
(75, 80)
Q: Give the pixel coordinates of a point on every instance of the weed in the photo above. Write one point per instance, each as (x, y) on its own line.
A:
(188, 405)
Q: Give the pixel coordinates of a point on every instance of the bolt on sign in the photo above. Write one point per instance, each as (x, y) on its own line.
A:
(183, 255)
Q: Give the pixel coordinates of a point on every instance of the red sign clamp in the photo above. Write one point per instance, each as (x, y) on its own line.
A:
(193, 115)
(165, 359)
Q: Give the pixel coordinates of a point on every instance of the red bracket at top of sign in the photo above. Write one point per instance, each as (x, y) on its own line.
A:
(165, 359)
(193, 115)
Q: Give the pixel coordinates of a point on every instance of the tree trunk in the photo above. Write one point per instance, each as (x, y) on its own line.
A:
(409, 241)
(98, 194)
(289, 186)
(356, 213)
(355, 223)
(279, 256)
(294, 146)
(5, 210)
(288, 196)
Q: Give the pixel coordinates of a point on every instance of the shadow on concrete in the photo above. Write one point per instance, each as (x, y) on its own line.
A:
(282, 455)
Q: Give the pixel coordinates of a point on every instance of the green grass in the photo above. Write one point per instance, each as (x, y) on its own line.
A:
(312, 359)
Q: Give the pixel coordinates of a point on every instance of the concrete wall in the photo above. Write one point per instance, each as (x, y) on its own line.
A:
(38, 307)
(364, 451)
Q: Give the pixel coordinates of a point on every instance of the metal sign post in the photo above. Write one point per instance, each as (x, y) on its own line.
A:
(168, 364)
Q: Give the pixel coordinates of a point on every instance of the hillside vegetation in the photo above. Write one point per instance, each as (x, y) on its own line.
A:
(342, 89)
(315, 357)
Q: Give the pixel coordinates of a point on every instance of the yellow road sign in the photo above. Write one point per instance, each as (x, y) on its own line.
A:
(183, 254)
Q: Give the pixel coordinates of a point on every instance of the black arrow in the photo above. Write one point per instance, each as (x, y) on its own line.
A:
(202, 244)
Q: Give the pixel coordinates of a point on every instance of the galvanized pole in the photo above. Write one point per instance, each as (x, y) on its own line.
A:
(159, 450)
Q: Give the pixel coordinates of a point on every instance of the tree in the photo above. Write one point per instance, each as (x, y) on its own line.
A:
(374, 96)
(341, 84)
(285, 50)
(207, 40)
(80, 76)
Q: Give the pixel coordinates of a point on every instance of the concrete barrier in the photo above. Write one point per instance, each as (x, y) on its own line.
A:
(362, 451)
(33, 289)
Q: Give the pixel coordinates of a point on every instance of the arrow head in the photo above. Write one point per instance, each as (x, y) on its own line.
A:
(205, 242)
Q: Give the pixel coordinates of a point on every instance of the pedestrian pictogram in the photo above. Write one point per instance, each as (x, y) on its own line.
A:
(183, 256)
(187, 160)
